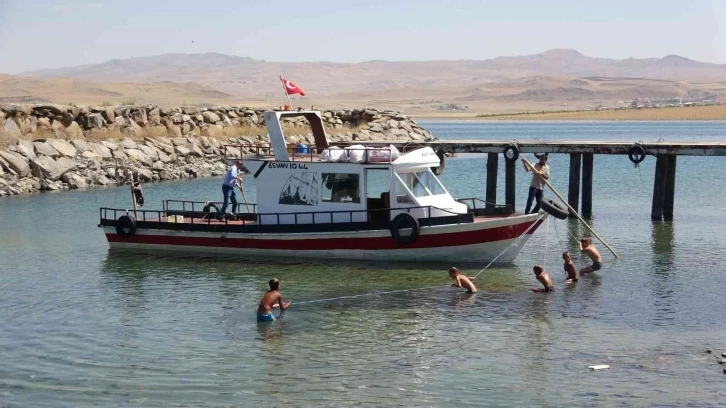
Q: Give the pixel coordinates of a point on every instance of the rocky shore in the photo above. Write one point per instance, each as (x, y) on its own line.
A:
(55, 147)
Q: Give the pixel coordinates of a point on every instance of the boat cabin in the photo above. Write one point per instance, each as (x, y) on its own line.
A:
(300, 184)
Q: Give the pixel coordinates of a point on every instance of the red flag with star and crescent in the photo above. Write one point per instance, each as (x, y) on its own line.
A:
(291, 88)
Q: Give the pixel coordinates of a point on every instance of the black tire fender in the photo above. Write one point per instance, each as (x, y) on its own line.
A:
(126, 226)
(405, 220)
(511, 153)
(636, 154)
(439, 170)
(208, 207)
(554, 209)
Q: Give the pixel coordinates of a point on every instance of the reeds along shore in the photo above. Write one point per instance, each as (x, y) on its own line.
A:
(52, 147)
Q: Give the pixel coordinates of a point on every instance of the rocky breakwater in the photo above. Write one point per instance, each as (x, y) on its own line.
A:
(54, 147)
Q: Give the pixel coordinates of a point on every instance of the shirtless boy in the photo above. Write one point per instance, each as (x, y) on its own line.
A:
(270, 300)
(588, 249)
(461, 281)
(544, 279)
(569, 268)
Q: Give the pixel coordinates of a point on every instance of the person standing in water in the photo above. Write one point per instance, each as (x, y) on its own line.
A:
(569, 268)
(461, 281)
(544, 278)
(588, 249)
(540, 173)
(271, 299)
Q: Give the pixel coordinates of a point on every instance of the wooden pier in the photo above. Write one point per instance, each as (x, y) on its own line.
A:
(582, 155)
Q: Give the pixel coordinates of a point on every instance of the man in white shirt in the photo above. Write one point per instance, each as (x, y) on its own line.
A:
(540, 173)
(232, 179)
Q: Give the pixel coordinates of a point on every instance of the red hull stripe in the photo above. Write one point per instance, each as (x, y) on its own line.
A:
(364, 243)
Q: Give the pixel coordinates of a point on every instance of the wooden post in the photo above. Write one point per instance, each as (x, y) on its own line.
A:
(587, 167)
(510, 181)
(670, 188)
(573, 193)
(492, 169)
(661, 168)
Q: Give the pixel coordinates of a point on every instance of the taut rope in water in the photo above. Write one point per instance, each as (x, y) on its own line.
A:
(516, 241)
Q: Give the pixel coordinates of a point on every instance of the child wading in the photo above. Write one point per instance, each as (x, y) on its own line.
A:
(569, 268)
(462, 281)
(587, 248)
(270, 300)
(544, 279)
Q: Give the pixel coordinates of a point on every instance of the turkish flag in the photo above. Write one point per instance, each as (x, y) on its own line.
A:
(291, 88)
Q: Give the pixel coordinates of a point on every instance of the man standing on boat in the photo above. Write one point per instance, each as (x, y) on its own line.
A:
(540, 173)
(231, 180)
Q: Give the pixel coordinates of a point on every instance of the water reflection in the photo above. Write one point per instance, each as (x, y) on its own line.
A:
(664, 283)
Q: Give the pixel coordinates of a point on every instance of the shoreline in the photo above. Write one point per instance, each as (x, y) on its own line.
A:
(695, 113)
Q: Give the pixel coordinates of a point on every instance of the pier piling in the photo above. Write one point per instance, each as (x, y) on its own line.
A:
(510, 181)
(670, 188)
(587, 167)
(573, 192)
(492, 169)
(659, 187)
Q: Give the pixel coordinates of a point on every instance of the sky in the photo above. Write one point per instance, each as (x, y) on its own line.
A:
(39, 34)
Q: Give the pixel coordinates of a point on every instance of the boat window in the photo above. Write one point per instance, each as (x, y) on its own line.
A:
(341, 188)
(402, 196)
(431, 182)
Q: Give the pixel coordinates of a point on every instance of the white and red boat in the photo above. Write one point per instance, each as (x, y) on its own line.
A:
(325, 202)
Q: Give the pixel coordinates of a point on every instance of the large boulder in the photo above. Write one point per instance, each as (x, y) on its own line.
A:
(109, 115)
(95, 121)
(65, 148)
(45, 149)
(152, 152)
(127, 143)
(11, 129)
(154, 117)
(81, 145)
(139, 116)
(140, 156)
(74, 131)
(210, 117)
(27, 152)
(54, 169)
(100, 149)
(74, 180)
(181, 150)
(16, 163)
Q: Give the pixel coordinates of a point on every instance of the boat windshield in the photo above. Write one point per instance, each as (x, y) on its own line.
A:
(423, 183)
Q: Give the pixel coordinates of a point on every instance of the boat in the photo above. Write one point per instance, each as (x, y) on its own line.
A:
(325, 202)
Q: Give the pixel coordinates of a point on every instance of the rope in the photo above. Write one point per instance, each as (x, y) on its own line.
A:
(562, 250)
(510, 245)
(547, 235)
(305, 302)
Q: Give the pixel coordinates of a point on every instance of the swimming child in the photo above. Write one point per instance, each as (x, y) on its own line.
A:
(545, 279)
(461, 281)
(271, 299)
(569, 268)
(588, 249)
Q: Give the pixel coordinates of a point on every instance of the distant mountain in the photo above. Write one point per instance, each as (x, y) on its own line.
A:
(244, 76)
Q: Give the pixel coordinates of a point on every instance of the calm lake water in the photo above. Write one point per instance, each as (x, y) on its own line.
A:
(81, 326)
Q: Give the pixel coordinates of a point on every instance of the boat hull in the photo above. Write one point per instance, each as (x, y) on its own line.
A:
(480, 241)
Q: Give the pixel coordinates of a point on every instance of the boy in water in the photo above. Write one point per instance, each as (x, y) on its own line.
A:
(270, 300)
(569, 268)
(545, 279)
(588, 249)
(461, 281)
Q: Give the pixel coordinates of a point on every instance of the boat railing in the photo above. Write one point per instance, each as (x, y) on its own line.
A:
(485, 207)
(199, 206)
(309, 153)
(299, 218)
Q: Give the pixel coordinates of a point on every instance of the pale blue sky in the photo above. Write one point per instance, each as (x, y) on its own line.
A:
(49, 34)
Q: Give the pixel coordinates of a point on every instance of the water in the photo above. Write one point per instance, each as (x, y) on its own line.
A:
(80, 326)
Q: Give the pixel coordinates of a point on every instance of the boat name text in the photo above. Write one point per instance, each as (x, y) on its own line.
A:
(293, 166)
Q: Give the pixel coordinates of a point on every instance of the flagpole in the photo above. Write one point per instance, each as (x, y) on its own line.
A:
(289, 102)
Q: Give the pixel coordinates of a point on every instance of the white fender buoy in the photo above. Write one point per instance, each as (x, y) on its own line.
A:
(599, 367)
